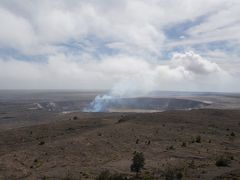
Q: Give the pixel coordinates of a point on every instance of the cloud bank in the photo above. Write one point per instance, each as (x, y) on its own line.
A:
(129, 47)
(125, 75)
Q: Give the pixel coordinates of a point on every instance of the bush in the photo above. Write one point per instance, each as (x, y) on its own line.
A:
(169, 174)
(138, 162)
(118, 177)
(179, 175)
(68, 176)
(148, 176)
(222, 162)
(184, 144)
(170, 148)
(106, 175)
(41, 143)
(173, 173)
(198, 139)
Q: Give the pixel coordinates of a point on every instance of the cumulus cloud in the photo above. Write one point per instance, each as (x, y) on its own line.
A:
(40, 26)
(118, 45)
(124, 75)
(195, 64)
(15, 31)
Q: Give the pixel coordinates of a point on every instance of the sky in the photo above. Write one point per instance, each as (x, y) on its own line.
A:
(127, 46)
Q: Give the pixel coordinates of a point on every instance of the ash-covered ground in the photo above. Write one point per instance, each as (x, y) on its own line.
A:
(46, 135)
(29, 107)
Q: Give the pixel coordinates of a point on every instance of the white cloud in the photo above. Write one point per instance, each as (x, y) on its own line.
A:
(137, 24)
(222, 25)
(15, 31)
(127, 75)
(134, 30)
(194, 63)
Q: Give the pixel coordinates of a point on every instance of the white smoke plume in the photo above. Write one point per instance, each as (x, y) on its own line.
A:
(186, 70)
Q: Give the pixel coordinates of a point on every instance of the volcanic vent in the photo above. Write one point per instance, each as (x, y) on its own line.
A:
(142, 104)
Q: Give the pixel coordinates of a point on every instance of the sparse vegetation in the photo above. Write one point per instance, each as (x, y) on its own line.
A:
(44, 178)
(222, 161)
(148, 142)
(179, 175)
(184, 144)
(191, 164)
(172, 173)
(147, 176)
(169, 174)
(41, 143)
(69, 129)
(138, 162)
(89, 146)
(170, 147)
(68, 177)
(123, 119)
(106, 175)
(198, 139)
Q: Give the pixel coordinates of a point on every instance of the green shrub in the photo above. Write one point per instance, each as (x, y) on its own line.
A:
(106, 175)
(169, 174)
(198, 139)
(179, 175)
(138, 162)
(68, 176)
(172, 173)
(184, 144)
(170, 147)
(222, 162)
(148, 176)
(41, 143)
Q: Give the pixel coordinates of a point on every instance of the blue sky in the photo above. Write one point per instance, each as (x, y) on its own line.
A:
(165, 45)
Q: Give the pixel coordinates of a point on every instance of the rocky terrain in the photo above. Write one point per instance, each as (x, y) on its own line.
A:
(201, 144)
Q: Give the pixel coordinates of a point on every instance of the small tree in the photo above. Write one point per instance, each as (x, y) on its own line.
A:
(137, 162)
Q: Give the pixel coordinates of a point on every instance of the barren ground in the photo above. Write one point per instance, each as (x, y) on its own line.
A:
(81, 148)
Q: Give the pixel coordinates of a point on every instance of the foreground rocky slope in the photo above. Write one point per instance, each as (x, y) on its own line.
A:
(81, 145)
